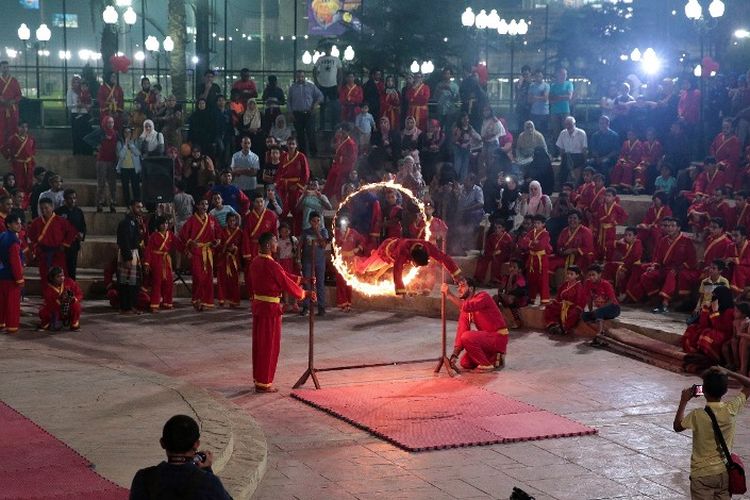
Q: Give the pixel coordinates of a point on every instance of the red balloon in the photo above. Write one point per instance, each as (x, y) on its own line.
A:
(709, 65)
(119, 63)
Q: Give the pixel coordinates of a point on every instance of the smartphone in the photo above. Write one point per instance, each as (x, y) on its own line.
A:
(697, 390)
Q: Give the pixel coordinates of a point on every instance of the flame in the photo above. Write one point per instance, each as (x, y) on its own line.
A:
(385, 286)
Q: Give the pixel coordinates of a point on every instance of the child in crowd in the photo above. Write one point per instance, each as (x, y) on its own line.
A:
(228, 262)
(513, 292)
(537, 243)
(288, 257)
(709, 284)
(625, 258)
(736, 352)
(498, 245)
(365, 124)
(62, 302)
(562, 314)
(600, 297)
(392, 216)
(666, 182)
(221, 211)
(158, 264)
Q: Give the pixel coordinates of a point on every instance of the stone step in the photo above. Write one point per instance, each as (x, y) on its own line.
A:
(63, 163)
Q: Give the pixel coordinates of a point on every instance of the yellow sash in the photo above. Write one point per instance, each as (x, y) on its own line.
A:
(349, 92)
(46, 226)
(257, 225)
(671, 247)
(711, 245)
(231, 264)
(266, 298)
(12, 105)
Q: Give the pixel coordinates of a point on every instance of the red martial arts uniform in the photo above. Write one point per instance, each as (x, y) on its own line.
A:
(271, 281)
(228, 266)
(726, 150)
(10, 94)
(254, 225)
(710, 333)
(438, 229)
(624, 260)
(11, 281)
(390, 107)
(675, 263)
(537, 243)
(721, 248)
(351, 243)
(497, 251)
(651, 233)
(652, 152)
(706, 183)
(50, 312)
(350, 98)
(111, 99)
(607, 218)
(582, 241)
(418, 97)
(197, 237)
(589, 216)
(20, 153)
(343, 163)
(584, 195)
(159, 262)
(741, 269)
(488, 340)
(623, 173)
(741, 217)
(48, 241)
(599, 294)
(565, 309)
(291, 179)
(392, 215)
(722, 210)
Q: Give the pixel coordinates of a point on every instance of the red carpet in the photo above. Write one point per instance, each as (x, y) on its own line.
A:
(35, 464)
(443, 413)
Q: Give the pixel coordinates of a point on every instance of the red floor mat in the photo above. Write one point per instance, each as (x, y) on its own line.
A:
(38, 465)
(441, 413)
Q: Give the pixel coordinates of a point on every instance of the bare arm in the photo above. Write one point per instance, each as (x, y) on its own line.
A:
(686, 395)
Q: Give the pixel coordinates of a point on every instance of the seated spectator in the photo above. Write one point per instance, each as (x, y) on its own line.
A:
(600, 298)
(666, 183)
(718, 246)
(202, 131)
(719, 207)
(385, 148)
(741, 210)
(470, 211)
(186, 473)
(726, 149)
(280, 130)
(410, 138)
(465, 140)
(653, 154)
(741, 262)
(709, 284)
(603, 148)
(512, 291)
(528, 141)
(573, 146)
(219, 210)
(737, 351)
(535, 202)
(129, 166)
(170, 123)
(562, 314)
(624, 175)
(410, 177)
(273, 97)
(624, 258)
(575, 245)
(714, 327)
(560, 208)
(432, 150)
(540, 169)
(606, 219)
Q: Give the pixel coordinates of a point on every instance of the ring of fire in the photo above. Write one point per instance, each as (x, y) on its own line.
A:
(384, 286)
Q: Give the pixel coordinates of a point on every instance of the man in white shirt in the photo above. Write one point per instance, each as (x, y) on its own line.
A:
(55, 193)
(328, 76)
(573, 145)
(245, 165)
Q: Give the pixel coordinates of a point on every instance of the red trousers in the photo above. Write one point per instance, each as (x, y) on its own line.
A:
(266, 341)
(622, 174)
(228, 281)
(162, 286)
(740, 277)
(343, 292)
(537, 279)
(650, 282)
(8, 124)
(49, 259)
(289, 199)
(605, 242)
(618, 274)
(24, 172)
(708, 341)
(558, 313)
(203, 277)
(10, 305)
(51, 315)
(485, 262)
(482, 348)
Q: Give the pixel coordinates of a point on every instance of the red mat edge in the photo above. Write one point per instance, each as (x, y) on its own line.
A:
(405, 447)
(90, 465)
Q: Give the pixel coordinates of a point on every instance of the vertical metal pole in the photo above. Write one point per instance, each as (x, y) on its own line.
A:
(701, 126)
(37, 70)
(546, 39)
(26, 65)
(512, 61)
(65, 48)
(294, 59)
(158, 67)
(143, 33)
(226, 43)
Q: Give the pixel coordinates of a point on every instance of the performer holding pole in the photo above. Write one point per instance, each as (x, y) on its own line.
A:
(486, 346)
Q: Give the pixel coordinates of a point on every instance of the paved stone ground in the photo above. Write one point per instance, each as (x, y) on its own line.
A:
(313, 455)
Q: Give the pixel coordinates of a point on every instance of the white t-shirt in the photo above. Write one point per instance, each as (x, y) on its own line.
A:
(327, 67)
(573, 143)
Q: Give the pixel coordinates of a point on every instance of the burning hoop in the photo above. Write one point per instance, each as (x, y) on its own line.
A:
(384, 285)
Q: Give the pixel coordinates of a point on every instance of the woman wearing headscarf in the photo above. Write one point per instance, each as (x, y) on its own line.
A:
(385, 147)
(202, 127)
(714, 327)
(492, 131)
(527, 142)
(280, 131)
(540, 169)
(535, 202)
(431, 150)
(509, 200)
(251, 126)
(151, 142)
(410, 138)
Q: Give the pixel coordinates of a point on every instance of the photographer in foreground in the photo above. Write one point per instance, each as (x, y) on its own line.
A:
(708, 471)
(187, 472)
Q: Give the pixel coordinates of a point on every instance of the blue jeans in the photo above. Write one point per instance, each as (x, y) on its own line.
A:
(461, 159)
(610, 311)
(320, 281)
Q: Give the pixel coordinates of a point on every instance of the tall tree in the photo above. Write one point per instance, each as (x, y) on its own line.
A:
(176, 28)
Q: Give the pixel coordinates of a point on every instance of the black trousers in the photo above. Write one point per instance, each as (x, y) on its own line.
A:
(131, 185)
(128, 296)
(610, 311)
(71, 259)
(305, 129)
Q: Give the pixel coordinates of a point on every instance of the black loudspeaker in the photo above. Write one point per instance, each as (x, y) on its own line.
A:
(157, 175)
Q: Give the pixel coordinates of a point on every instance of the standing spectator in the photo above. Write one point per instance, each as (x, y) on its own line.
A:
(208, 90)
(404, 110)
(246, 86)
(473, 98)
(327, 75)
(245, 166)
(374, 91)
(79, 117)
(527, 142)
(418, 98)
(391, 106)
(111, 99)
(143, 103)
(74, 215)
(129, 242)
(303, 96)
(104, 141)
(151, 142)
(410, 138)
(386, 148)
(572, 145)
(20, 150)
(202, 123)
(560, 94)
(433, 150)
(55, 192)
(365, 124)
(251, 126)
(129, 166)
(471, 211)
(535, 202)
(170, 123)
(446, 95)
(523, 106)
(315, 236)
(224, 131)
(40, 185)
(350, 98)
(464, 136)
(540, 169)
(538, 96)
(273, 98)
(492, 131)
(280, 130)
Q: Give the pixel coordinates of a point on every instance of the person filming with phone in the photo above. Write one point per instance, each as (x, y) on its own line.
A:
(187, 472)
(709, 477)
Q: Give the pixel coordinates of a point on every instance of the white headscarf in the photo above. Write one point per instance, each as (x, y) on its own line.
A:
(149, 137)
(535, 200)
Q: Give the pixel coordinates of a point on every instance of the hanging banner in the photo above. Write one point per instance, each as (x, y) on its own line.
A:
(332, 17)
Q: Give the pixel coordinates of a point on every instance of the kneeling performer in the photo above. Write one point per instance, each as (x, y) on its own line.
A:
(485, 346)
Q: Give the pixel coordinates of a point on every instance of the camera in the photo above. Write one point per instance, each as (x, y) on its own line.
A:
(199, 458)
(697, 390)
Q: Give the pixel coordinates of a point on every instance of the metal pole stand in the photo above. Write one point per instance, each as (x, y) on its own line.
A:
(443, 361)
(310, 372)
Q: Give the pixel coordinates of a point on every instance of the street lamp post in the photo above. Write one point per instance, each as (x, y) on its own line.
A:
(694, 12)
(111, 18)
(152, 45)
(512, 29)
(43, 35)
(24, 34)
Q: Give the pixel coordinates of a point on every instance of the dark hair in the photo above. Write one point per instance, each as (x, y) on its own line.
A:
(135, 201)
(743, 308)
(313, 215)
(419, 255)
(595, 268)
(46, 201)
(741, 193)
(662, 196)
(715, 383)
(723, 295)
(180, 434)
(539, 217)
(159, 220)
(265, 238)
(471, 282)
(275, 147)
(235, 215)
(570, 185)
(55, 271)
(209, 72)
(631, 229)
(575, 269)
(180, 185)
(577, 213)
(4, 198)
(13, 217)
(39, 171)
(742, 230)
(709, 160)
(517, 262)
(611, 191)
(145, 79)
(68, 193)
(525, 67)
(720, 265)
(718, 221)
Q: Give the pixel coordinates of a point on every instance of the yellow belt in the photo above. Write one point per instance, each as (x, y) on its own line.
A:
(539, 254)
(207, 255)
(167, 263)
(502, 331)
(231, 265)
(602, 238)
(267, 298)
(566, 304)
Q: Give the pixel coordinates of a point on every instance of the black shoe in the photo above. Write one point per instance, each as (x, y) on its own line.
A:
(112, 209)
(660, 310)
(99, 209)
(321, 311)
(303, 312)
